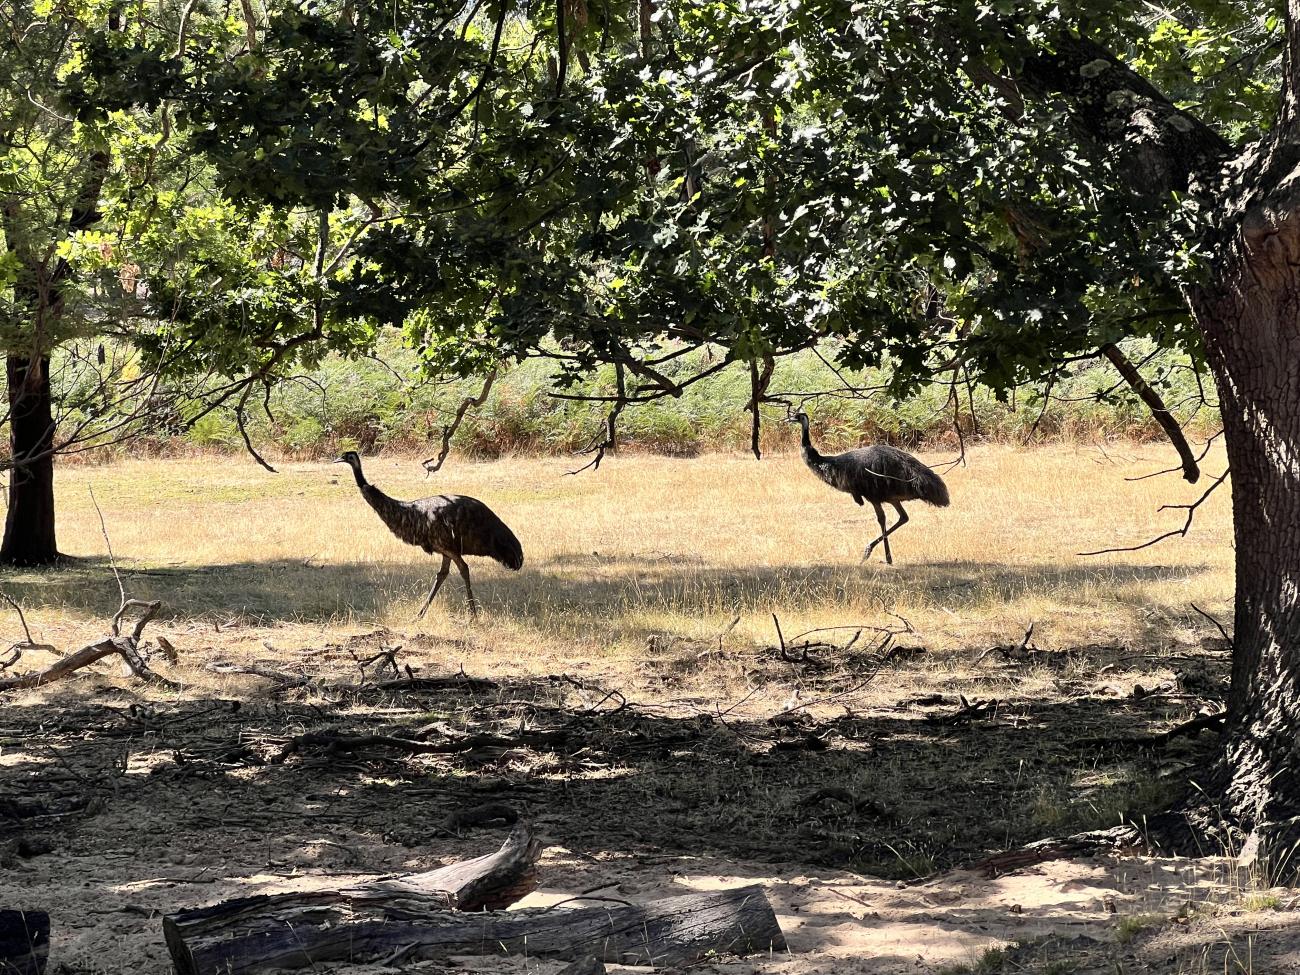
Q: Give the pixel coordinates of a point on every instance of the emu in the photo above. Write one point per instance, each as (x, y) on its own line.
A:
(880, 474)
(452, 525)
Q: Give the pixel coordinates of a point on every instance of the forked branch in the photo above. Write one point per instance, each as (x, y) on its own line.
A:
(127, 647)
(434, 464)
(610, 442)
(1191, 514)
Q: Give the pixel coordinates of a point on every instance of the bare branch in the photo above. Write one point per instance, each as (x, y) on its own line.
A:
(1191, 513)
(109, 545)
(1217, 625)
(1174, 470)
(125, 646)
(611, 425)
(434, 464)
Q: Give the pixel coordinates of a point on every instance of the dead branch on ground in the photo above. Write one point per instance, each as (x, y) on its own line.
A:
(1093, 843)
(296, 930)
(968, 712)
(333, 743)
(1020, 651)
(27, 642)
(127, 647)
(1217, 625)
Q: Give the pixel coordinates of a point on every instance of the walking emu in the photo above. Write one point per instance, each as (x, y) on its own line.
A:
(450, 524)
(879, 474)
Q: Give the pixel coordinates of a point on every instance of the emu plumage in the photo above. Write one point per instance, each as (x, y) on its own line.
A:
(451, 525)
(880, 475)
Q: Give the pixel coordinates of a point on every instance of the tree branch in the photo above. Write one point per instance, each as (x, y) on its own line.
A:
(1191, 513)
(434, 464)
(1191, 472)
(1160, 148)
(611, 424)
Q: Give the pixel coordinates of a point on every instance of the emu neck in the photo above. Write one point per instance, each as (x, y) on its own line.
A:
(356, 472)
(810, 454)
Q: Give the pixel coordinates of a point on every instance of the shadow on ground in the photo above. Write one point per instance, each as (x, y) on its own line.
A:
(149, 807)
(305, 591)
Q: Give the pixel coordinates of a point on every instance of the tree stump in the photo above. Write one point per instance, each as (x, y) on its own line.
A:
(300, 930)
(24, 942)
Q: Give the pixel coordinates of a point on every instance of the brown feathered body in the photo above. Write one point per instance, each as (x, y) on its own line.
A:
(448, 524)
(453, 525)
(879, 474)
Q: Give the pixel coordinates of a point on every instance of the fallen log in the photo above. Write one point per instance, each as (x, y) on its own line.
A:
(488, 882)
(674, 931)
(24, 942)
(1097, 842)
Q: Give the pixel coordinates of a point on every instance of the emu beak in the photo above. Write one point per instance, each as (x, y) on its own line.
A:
(339, 460)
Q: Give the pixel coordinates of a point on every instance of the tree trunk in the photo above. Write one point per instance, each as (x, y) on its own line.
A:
(1251, 321)
(29, 523)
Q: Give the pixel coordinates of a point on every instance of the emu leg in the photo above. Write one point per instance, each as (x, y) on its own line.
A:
(886, 532)
(469, 589)
(883, 537)
(902, 520)
(437, 584)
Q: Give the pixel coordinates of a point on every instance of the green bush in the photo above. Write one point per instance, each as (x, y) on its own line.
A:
(382, 403)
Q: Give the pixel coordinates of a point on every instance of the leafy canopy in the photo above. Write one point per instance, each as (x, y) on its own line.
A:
(603, 182)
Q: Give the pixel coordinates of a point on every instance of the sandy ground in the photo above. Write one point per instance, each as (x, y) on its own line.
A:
(157, 802)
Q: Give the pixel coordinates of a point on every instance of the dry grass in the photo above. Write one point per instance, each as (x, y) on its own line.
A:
(649, 547)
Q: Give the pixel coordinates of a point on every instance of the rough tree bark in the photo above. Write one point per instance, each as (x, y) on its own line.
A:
(29, 537)
(1251, 319)
(675, 931)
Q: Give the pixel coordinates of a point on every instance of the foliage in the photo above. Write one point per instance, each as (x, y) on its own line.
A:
(371, 403)
(741, 176)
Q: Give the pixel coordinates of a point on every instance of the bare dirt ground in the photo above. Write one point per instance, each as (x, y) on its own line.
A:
(895, 760)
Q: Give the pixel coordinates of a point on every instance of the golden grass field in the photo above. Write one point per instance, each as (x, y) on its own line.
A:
(621, 561)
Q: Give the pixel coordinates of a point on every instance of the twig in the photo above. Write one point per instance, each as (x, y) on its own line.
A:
(111, 560)
(386, 654)
(1174, 470)
(1217, 625)
(1008, 651)
(1191, 514)
(29, 642)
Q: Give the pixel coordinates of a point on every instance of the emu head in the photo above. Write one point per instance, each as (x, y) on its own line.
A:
(351, 458)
